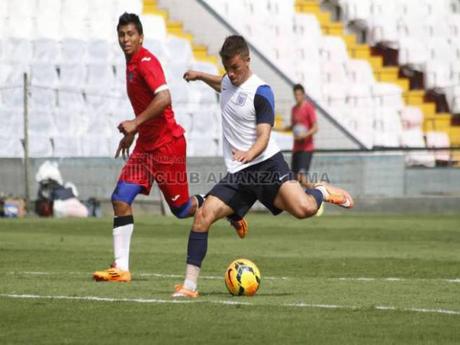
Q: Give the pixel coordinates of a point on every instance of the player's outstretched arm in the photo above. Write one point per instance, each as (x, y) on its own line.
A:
(156, 107)
(213, 81)
(263, 136)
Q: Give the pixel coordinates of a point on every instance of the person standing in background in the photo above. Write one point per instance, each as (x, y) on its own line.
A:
(304, 127)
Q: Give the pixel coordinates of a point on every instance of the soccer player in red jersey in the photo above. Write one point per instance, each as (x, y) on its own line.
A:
(303, 115)
(160, 151)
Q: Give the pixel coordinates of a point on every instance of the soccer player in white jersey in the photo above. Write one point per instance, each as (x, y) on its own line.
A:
(256, 167)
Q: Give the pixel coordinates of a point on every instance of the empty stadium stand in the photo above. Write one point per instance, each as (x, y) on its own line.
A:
(77, 76)
(386, 71)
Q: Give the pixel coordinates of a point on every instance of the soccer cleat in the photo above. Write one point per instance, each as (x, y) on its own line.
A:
(320, 211)
(241, 226)
(112, 274)
(182, 292)
(335, 195)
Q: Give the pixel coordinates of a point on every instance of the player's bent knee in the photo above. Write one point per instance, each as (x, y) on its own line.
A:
(125, 193)
(121, 208)
(182, 211)
(203, 220)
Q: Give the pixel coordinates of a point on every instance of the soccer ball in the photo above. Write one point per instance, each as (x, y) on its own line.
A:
(242, 278)
(299, 130)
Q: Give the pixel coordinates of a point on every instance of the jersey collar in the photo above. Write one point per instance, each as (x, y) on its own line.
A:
(136, 56)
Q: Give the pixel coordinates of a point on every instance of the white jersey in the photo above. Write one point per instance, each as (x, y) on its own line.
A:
(243, 107)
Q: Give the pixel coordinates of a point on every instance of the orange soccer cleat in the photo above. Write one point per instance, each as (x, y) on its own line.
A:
(112, 274)
(182, 292)
(335, 195)
(241, 227)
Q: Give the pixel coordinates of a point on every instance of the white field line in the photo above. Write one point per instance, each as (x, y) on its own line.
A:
(227, 302)
(178, 276)
(158, 275)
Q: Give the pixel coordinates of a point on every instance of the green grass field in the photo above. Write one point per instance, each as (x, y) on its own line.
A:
(330, 280)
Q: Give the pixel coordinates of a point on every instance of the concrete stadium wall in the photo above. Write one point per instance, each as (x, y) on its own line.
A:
(380, 183)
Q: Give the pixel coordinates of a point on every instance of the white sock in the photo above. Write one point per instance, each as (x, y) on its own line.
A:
(323, 191)
(121, 243)
(191, 277)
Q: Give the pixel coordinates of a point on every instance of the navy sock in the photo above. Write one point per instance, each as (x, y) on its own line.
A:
(234, 217)
(200, 198)
(122, 220)
(197, 247)
(317, 195)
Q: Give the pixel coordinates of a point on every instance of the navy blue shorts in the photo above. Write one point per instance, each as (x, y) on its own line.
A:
(301, 161)
(258, 182)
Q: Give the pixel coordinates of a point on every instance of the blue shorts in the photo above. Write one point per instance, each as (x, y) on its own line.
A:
(261, 182)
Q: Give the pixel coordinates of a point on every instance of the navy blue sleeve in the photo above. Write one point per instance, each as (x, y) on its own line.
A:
(264, 103)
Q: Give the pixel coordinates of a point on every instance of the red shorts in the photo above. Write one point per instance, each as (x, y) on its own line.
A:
(165, 165)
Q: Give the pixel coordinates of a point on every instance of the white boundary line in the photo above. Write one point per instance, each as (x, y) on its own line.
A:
(227, 302)
(178, 276)
(145, 274)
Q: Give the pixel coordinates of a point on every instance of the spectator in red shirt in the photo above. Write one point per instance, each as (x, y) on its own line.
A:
(304, 127)
(160, 151)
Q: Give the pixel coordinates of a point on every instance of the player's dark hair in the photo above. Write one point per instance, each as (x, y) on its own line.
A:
(298, 87)
(234, 45)
(130, 18)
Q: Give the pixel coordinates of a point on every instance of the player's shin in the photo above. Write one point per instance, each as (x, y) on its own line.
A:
(122, 231)
(196, 251)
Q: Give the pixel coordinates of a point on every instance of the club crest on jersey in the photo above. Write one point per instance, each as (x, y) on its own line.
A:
(241, 99)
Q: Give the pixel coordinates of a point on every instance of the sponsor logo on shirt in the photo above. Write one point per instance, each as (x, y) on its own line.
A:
(146, 59)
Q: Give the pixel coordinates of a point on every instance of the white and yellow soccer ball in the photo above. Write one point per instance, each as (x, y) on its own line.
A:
(242, 278)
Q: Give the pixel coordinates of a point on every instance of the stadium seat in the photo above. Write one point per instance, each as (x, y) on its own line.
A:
(183, 117)
(437, 74)
(47, 26)
(73, 19)
(414, 138)
(46, 50)
(180, 93)
(359, 71)
(180, 49)
(99, 51)
(412, 52)
(154, 27)
(18, 50)
(158, 48)
(453, 98)
(10, 147)
(40, 145)
(333, 48)
(356, 10)
(65, 146)
(21, 11)
(130, 6)
(387, 95)
(13, 123)
(99, 76)
(96, 146)
(72, 75)
(438, 140)
(73, 51)
(42, 123)
(200, 146)
(333, 72)
(411, 117)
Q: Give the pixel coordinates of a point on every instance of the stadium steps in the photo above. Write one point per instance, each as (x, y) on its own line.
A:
(390, 74)
(175, 28)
